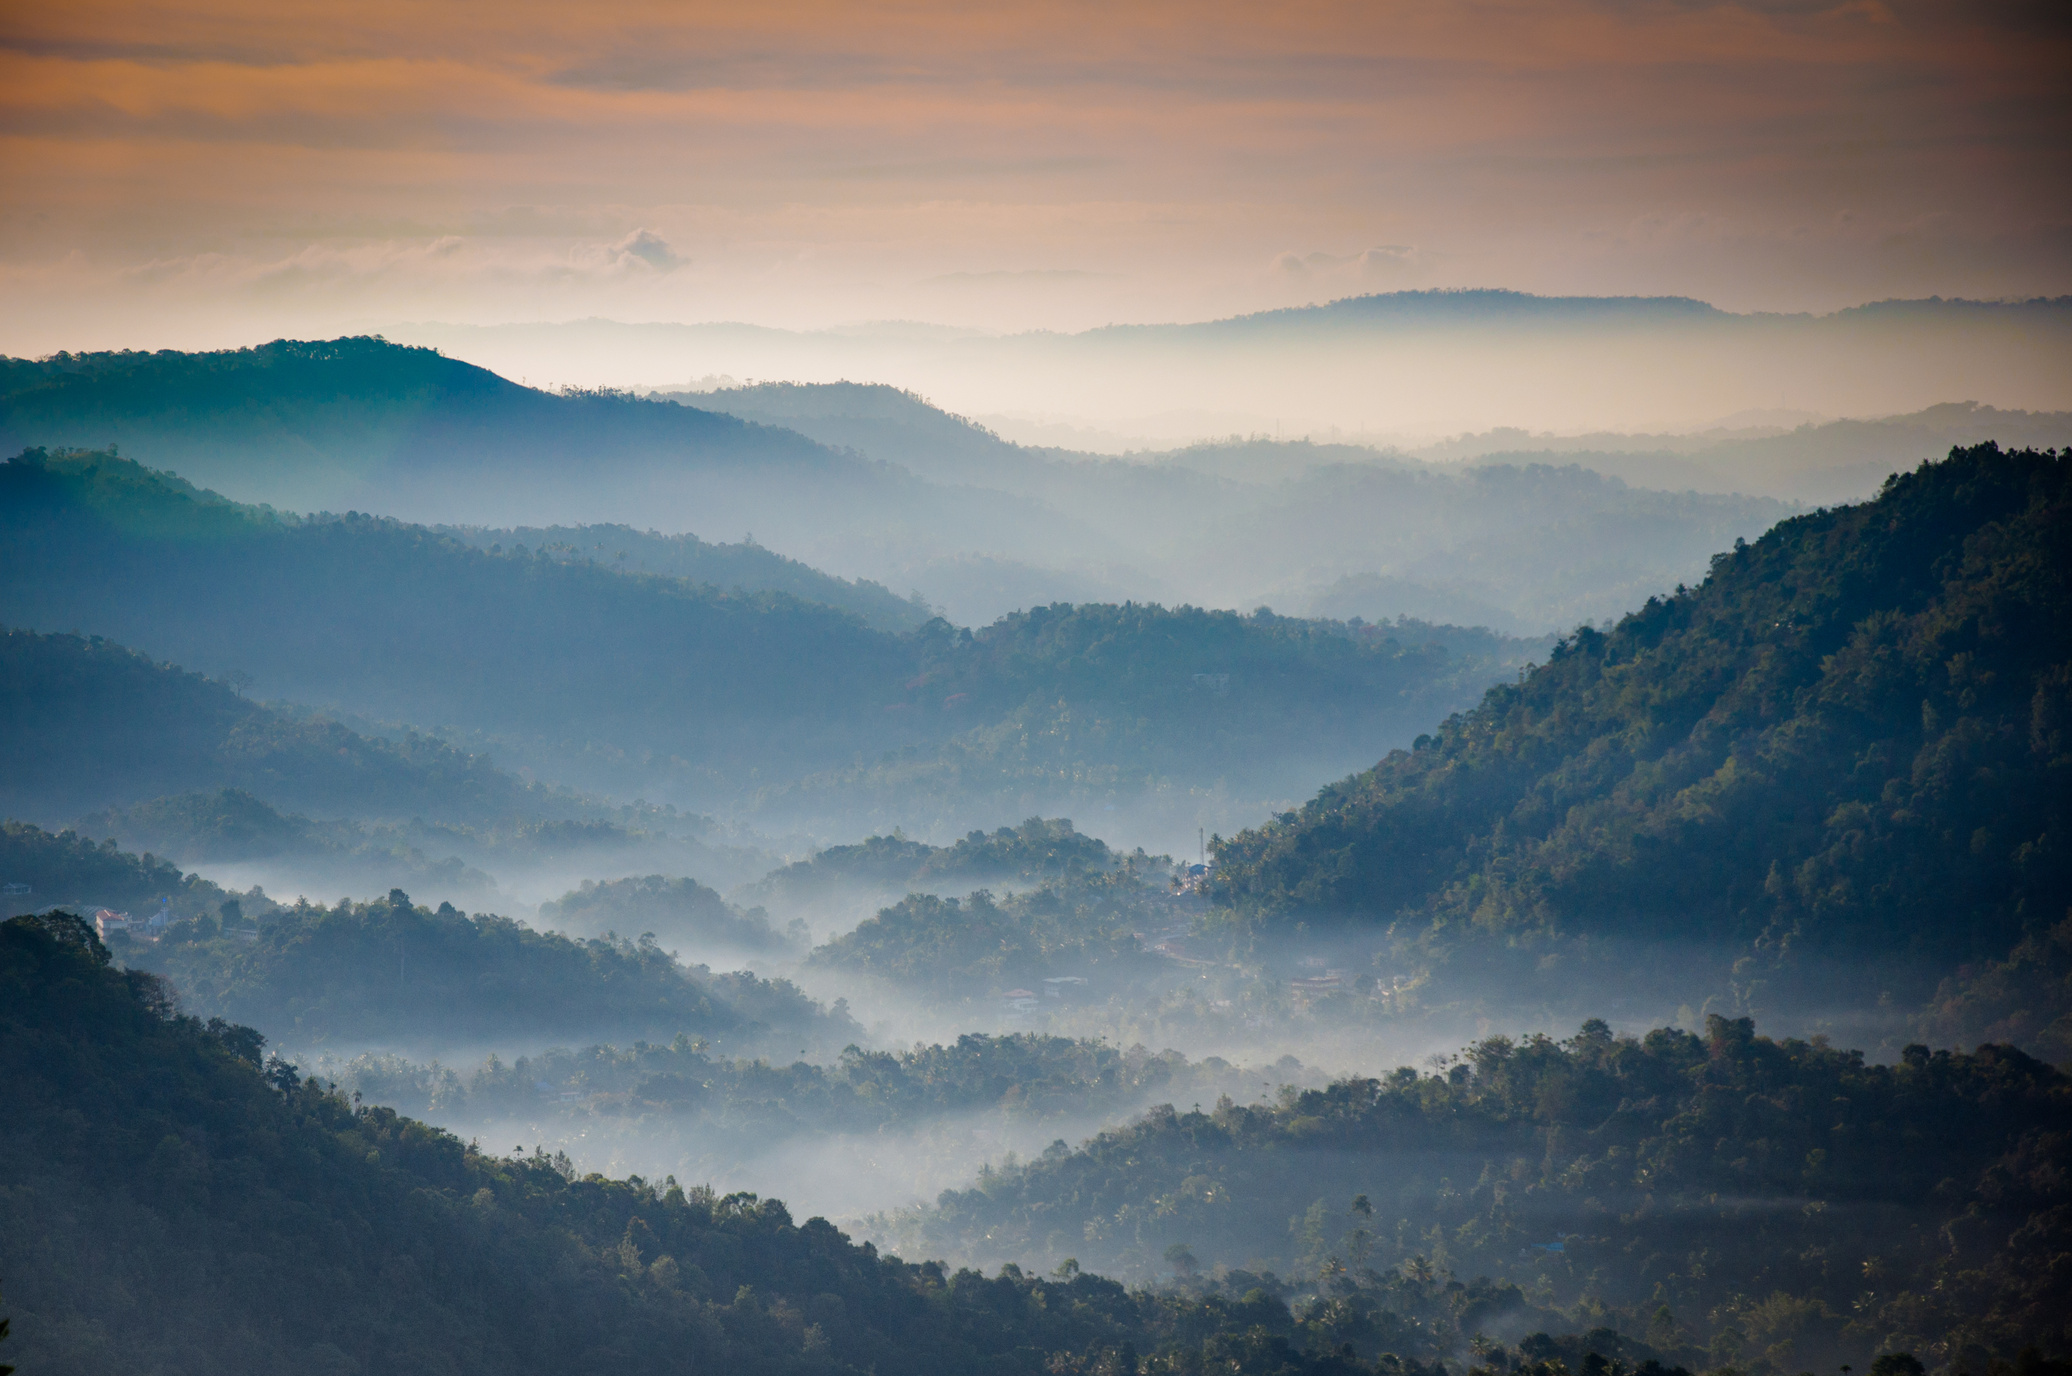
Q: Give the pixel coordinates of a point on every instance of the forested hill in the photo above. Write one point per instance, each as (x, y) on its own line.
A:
(178, 1202)
(745, 564)
(1851, 737)
(1762, 1205)
(393, 620)
(85, 723)
(632, 682)
(307, 424)
(394, 973)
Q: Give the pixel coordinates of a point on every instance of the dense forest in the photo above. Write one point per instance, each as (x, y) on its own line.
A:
(388, 972)
(43, 869)
(1742, 1202)
(879, 487)
(1850, 738)
(979, 947)
(86, 723)
(1323, 529)
(659, 681)
(185, 1203)
(1081, 1110)
(758, 1100)
(1038, 849)
(745, 565)
(672, 910)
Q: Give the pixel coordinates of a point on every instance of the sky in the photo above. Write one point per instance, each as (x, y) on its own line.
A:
(219, 171)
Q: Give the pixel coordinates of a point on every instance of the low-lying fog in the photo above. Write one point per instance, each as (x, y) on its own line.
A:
(1198, 1016)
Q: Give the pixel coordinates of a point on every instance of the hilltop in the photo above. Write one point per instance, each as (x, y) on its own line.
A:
(1848, 741)
(1678, 1186)
(184, 1201)
(637, 681)
(86, 723)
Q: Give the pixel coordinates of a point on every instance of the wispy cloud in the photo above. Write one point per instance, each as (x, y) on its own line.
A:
(823, 155)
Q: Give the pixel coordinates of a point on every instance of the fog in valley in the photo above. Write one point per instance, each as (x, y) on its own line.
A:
(1008, 851)
(1036, 689)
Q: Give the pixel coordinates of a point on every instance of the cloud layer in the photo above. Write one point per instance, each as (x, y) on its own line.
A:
(809, 162)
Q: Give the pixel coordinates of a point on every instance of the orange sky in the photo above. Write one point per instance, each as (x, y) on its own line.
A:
(204, 172)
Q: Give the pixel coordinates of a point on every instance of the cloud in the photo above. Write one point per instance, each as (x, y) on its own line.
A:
(646, 246)
(1386, 263)
(854, 150)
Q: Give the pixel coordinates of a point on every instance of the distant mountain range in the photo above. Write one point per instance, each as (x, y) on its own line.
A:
(642, 682)
(1406, 364)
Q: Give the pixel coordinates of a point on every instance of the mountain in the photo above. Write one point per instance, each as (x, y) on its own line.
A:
(1325, 529)
(881, 490)
(86, 723)
(178, 1201)
(645, 682)
(1758, 1204)
(1412, 363)
(1836, 461)
(675, 911)
(746, 565)
(293, 853)
(391, 973)
(395, 621)
(41, 869)
(883, 422)
(314, 425)
(362, 424)
(1848, 741)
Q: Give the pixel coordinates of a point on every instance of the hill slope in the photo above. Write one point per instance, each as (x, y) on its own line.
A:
(1837, 461)
(1850, 738)
(363, 424)
(745, 565)
(85, 723)
(633, 682)
(1777, 1205)
(391, 973)
(308, 425)
(396, 621)
(176, 1202)
(1540, 543)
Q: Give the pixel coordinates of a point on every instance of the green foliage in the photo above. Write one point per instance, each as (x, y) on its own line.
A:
(398, 621)
(2025, 999)
(66, 867)
(756, 1103)
(1037, 850)
(673, 910)
(85, 723)
(1849, 734)
(390, 972)
(745, 565)
(1783, 1199)
(178, 1203)
(978, 946)
(622, 673)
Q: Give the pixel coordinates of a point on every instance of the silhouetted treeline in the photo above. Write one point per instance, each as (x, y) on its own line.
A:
(392, 973)
(179, 1202)
(673, 910)
(979, 947)
(1759, 1204)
